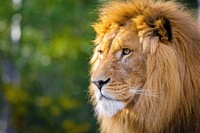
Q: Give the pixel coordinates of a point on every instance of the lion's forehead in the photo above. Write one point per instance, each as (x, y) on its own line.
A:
(119, 38)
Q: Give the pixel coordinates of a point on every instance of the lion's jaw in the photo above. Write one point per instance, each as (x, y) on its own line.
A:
(125, 74)
(107, 106)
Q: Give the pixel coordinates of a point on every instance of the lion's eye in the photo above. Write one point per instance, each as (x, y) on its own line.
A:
(126, 51)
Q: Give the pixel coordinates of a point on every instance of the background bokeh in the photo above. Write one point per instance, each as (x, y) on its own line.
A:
(45, 46)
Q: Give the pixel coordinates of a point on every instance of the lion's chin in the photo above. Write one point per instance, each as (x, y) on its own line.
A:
(109, 108)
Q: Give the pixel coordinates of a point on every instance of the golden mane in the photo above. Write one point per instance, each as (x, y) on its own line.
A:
(171, 40)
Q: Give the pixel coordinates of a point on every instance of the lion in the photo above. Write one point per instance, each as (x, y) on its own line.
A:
(145, 70)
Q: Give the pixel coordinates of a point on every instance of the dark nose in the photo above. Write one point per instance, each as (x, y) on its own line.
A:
(100, 83)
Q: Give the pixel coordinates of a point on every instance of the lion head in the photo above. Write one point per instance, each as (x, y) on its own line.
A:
(145, 75)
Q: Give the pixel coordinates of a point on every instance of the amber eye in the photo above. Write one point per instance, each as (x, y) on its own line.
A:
(126, 51)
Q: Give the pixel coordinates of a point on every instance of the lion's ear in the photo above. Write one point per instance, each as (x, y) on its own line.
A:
(162, 28)
(152, 29)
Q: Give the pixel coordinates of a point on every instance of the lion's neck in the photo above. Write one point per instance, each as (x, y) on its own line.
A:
(129, 122)
(124, 122)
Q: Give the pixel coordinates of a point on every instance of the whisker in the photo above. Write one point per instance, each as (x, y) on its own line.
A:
(144, 92)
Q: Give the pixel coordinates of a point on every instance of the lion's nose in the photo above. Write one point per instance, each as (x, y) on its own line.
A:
(100, 83)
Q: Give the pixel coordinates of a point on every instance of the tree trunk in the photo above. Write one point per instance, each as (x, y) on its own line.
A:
(10, 71)
(199, 9)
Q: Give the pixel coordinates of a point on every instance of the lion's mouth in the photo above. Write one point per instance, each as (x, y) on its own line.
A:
(103, 97)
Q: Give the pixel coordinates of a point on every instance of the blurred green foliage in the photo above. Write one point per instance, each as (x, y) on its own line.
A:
(52, 60)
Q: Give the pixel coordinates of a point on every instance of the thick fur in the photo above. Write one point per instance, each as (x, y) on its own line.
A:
(157, 87)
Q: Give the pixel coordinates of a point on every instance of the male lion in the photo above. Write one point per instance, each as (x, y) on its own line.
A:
(145, 71)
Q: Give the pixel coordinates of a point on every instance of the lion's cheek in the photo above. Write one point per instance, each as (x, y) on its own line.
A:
(109, 108)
